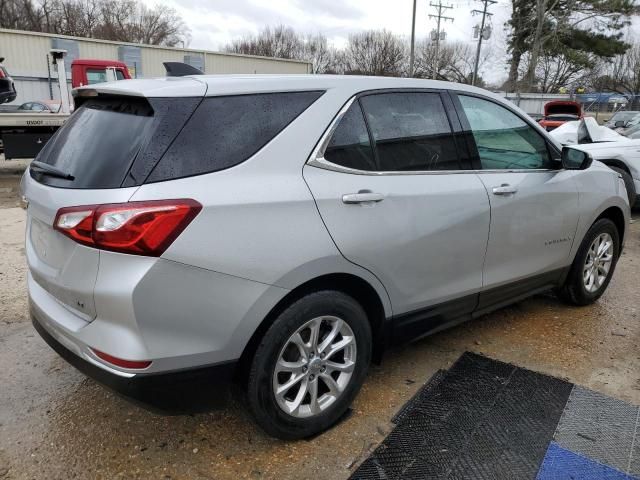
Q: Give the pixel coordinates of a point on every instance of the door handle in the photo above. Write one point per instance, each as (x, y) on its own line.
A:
(363, 196)
(504, 189)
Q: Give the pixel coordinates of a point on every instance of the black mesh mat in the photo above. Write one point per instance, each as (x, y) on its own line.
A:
(481, 419)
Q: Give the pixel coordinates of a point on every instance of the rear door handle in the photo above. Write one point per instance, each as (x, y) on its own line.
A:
(504, 189)
(362, 197)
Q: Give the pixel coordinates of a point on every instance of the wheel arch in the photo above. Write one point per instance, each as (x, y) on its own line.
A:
(616, 215)
(614, 162)
(358, 288)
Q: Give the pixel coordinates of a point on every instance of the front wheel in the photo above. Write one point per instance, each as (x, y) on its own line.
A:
(310, 365)
(594, 264)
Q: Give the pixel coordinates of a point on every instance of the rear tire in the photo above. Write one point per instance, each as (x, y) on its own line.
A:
(587, 280)
(628, 183)
(324, 376)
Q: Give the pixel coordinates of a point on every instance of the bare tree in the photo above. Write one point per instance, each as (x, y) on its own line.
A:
(376, 52)
(622, 75)
(455, 60)
(279, 42)
(555, 72)
(316, 50)
(284, 42)
(123, 20)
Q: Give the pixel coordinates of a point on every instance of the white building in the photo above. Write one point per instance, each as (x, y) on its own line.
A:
(26, 59)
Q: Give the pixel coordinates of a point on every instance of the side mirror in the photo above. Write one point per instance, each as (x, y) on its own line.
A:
(574, 159)
(620, 124)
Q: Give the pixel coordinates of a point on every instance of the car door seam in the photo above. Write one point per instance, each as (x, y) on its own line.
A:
(315, 203)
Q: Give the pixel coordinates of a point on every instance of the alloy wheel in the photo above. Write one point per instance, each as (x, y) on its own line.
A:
(314, 366)
(598, 262)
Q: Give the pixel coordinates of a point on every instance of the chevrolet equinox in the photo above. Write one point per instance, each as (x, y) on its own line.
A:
(286, 230)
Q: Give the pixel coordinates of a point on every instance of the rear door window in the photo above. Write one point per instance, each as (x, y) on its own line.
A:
(411, 131)
(226, 131)
(350, 146)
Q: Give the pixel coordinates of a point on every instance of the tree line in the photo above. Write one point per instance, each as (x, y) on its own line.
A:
(372, 52)
(552, 45)
(118, 20)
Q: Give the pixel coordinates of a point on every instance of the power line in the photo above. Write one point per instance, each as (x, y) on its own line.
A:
(440, 7)
(485, 14)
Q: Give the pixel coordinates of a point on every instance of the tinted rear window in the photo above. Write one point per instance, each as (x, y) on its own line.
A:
(105, 136)
(226, 131)
(112, 142)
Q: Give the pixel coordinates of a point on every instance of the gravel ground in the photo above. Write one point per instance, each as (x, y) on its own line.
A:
(55, 423)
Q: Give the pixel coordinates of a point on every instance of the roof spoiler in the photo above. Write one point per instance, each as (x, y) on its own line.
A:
(179, 69)
(1, 59)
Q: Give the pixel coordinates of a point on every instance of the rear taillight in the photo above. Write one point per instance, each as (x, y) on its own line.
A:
(2, 75)
(138, 228)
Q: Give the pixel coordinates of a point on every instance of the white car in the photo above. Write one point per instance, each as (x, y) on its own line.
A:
(620, 153)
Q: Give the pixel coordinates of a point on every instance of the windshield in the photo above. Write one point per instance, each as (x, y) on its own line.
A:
(634, 121)
(623, 116)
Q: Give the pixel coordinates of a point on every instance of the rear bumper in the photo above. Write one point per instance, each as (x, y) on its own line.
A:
(138, 384)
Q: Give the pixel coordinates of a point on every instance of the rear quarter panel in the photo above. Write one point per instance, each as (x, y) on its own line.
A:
(259, 220)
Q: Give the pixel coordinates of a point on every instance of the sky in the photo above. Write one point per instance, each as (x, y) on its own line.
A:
(215, 23)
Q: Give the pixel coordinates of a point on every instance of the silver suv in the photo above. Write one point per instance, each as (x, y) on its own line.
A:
(286, 230)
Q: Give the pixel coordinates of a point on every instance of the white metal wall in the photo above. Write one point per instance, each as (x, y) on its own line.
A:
(26, 58)
(534, 102)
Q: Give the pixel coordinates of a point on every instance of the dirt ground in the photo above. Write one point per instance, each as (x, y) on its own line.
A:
(57, 424)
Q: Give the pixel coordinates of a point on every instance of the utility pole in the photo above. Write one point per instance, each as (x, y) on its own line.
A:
(481, 35)
(440, 7)
(413, 39)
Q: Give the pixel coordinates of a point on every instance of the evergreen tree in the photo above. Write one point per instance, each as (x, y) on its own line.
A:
(571, 27)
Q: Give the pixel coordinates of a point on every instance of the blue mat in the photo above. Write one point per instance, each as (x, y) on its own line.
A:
(561, 464)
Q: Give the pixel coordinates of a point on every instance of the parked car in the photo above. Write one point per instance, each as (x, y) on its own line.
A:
(286, 230)
(618, 152)
(45, 106)
(558, 112)
(630, 128)
(621, 118)
(7, 88)
(633, 133)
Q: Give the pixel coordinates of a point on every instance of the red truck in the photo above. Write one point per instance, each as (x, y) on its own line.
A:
(23, 134)
(89, 71)
(558, 112)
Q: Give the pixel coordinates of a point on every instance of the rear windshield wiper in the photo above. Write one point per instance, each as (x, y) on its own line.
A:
(50, 170)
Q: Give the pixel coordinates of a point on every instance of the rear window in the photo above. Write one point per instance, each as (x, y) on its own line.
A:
(226, 131)
(117, 141)
(102, 139)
